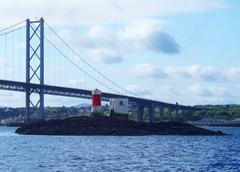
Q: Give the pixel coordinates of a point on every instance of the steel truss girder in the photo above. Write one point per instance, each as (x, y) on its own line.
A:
(81, 93)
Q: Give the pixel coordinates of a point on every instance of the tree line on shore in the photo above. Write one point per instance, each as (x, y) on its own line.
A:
(228, 112)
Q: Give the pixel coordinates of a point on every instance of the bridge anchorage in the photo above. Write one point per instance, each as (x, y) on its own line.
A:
(34, 82)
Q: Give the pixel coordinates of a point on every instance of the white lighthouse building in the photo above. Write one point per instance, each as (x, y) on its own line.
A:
(119, 105)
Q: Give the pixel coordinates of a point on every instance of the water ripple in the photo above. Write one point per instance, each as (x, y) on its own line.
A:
(99, 153)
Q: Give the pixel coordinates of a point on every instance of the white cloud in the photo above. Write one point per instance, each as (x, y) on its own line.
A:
(79, 12)
(210, 94)
(148, 34)
(3, 61)
(199, 90)
(19, 45)
(107, 46)
(214, 91)
(137, 28)
(14, 99)
(75, 82)
(197, 72)
(139, 90)
(148, 70)
(56, 101)
(107, 56)
(140, 35)
(101, 37)
(6, 94)
(207, 73)
(233, 73)
(194, 84)
(96, 37)
(11, 99)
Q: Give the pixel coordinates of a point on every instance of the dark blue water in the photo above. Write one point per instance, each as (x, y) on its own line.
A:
(99, 153)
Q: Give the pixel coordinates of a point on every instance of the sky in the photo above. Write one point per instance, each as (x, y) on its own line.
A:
(184, 51)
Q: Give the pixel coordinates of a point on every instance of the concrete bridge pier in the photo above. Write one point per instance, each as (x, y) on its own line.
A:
(170, 109)
(176, 111)
(161, 115)
(183, 111)
(151, 112)
(140, 112)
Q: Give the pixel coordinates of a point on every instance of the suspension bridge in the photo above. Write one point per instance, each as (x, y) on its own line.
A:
(37, 61)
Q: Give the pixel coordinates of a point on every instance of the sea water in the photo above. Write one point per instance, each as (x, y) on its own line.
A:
(114, 153)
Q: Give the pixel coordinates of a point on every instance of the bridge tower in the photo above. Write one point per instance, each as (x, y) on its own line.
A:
(35, 66)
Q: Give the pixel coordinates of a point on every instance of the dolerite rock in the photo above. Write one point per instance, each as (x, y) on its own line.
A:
(102, 125)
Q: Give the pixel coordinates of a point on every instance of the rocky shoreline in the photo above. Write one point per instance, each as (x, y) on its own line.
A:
(102, 125)
(215, 124)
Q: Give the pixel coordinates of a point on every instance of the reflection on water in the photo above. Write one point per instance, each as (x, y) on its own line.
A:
(99, 153)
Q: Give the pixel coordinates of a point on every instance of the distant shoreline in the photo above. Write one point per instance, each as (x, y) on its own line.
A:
(216, 123)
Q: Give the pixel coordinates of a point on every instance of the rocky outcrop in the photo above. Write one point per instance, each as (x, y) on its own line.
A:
(101, 125)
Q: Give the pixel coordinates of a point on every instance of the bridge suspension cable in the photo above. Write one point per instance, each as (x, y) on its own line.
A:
(92, 67)
(11, 42)
(14, 25)
(66, 57)
(74, 64)
(13, 30)
(18, 26)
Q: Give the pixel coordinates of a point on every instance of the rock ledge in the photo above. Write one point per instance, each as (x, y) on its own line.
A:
(102, 125)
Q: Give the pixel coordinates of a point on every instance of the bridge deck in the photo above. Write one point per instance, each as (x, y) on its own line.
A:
(80, 93)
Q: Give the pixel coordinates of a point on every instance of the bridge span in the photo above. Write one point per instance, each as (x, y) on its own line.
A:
(35, 76)
(87, 94)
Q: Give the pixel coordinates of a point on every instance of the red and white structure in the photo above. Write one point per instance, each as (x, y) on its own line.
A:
(96, 101)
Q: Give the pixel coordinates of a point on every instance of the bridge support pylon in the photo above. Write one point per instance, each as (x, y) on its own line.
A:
(35, 67)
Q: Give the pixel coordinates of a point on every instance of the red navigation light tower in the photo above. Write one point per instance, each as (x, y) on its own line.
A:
(96, 101)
